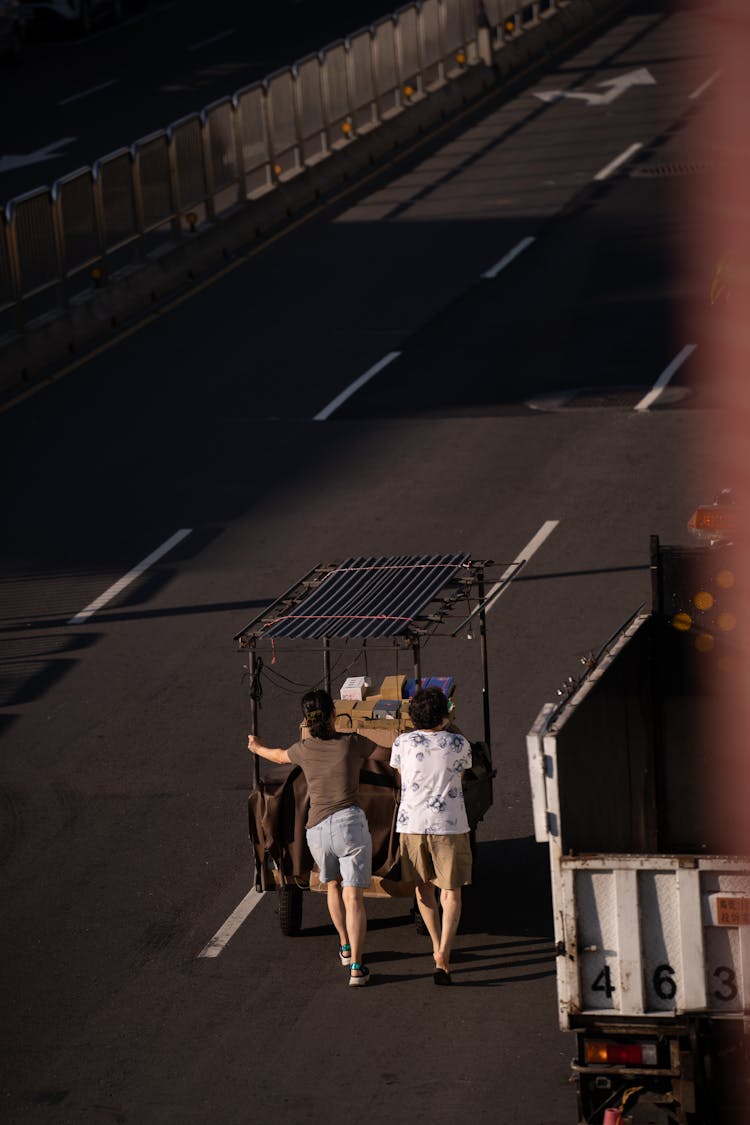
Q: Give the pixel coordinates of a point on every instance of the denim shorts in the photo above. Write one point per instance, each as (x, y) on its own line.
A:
(341, 846)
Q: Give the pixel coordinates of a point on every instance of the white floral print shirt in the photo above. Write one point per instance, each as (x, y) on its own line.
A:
(431, 764)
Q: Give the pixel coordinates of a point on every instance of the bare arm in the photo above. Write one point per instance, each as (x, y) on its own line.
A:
(255, 746)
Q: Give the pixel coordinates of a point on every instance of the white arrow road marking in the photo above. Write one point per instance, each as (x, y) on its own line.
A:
(617, 86)
(49, 152)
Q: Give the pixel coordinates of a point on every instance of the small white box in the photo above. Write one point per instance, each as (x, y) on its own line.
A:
(356, 687)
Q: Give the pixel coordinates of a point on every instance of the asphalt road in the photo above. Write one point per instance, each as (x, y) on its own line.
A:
(76, 98)
(514, 407)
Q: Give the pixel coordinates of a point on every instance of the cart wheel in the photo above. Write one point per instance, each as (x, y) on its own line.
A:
(290, 910)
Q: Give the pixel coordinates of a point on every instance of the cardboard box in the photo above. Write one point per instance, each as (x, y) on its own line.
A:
(363, 708)
(392, 687)
(356, 687)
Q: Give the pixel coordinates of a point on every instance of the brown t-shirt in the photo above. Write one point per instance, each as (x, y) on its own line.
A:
(331, 768)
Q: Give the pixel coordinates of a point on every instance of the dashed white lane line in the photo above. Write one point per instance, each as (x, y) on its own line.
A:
(706, 85)
(214, 39)
(519, 248)
(521, 559)
(89, 92)
(335, 403)
(126, 579)
(617, 162)
(214, 947)
(649, 399)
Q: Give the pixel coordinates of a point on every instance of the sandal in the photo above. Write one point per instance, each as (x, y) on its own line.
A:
(357, 982)
(441, 976)
(345, 954)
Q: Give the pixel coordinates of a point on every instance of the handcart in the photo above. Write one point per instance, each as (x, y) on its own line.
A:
(389, 605)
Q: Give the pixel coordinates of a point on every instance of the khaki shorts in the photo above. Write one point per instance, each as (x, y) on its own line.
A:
(442, 860)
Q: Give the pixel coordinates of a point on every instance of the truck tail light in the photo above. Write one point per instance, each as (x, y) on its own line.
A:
(620, 1054)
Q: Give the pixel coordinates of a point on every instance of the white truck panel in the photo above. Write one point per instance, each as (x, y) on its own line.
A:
(643, 936)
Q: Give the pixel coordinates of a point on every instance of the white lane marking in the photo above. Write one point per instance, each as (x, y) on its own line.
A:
(214, 947)
(524, 244)
(214, 39)
(664, 378)
(23, 160)
(136, 572)
(706, 85)
(618, 160)
(89, 92)
(520, 561)
(338, 401)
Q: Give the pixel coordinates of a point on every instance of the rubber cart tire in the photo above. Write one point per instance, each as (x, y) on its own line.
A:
(290, 910)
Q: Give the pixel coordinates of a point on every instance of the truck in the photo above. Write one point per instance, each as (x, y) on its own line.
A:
(650, 892)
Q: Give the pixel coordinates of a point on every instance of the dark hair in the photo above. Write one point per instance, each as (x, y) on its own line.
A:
(317, 707)
(428, 708)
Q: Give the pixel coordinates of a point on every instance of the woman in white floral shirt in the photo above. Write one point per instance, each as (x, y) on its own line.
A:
(432, 821)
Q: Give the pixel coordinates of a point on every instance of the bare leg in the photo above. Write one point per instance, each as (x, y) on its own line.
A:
(337, 911)
(356, 920)
(430, 911)
(451, 903)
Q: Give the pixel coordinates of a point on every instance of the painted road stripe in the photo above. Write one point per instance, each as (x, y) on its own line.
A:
(706, 85)
(519, 249)
(327, 411)
(89, 92)
(214, 947)
(618, 160)
(520, 560)
(136, 572)
(664, 378)
(214, 39)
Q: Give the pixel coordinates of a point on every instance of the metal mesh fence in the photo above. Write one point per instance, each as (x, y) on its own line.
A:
(223, 158)
(310, 102)
(254, 147)
(152, 165)
(186, 137)
(386, 68)
(6, 278)
(432, 54)
(282, 123)
(364, 107)
(35, 237)
(80, 236)
(407, 43)
(115, 176)
(337, 89)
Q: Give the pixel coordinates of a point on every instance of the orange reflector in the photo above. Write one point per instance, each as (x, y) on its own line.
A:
(682, 621)
(408, 90)
(620, 1054)
(704, 642)
(726, 622)
(703, 600)
(460, 58)
(725, 579)
(713, 517)
(346, 127)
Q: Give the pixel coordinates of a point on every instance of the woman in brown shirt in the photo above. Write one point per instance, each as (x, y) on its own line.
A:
(337, 832)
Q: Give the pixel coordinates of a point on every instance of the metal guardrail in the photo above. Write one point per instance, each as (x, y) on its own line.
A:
(57, 242)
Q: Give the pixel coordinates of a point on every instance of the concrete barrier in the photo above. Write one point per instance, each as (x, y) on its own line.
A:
(99, 314)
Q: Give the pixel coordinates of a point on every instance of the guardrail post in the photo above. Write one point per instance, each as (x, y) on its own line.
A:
(140, 220)
(208, 167)
(14, 265)
(58, 233)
